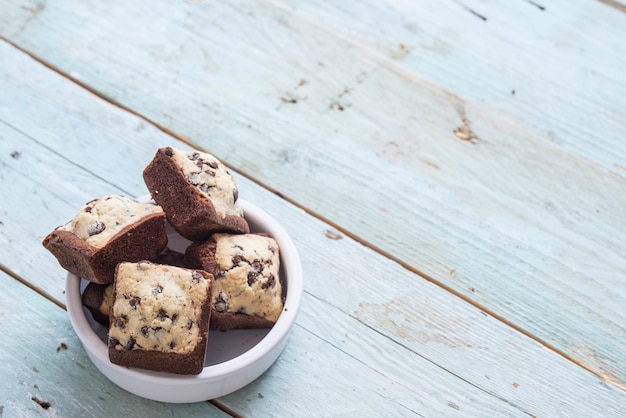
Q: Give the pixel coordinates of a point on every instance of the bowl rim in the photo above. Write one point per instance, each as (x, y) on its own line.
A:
(290, 261)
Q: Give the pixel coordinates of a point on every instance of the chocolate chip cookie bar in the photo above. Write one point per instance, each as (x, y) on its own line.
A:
(105, 232)
(160, 317)
(247, 291)
(197, 193)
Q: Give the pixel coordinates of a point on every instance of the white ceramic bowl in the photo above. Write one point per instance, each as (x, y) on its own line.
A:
(234, 358)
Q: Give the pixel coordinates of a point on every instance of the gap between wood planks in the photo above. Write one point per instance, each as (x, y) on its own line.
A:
(616, 4)
(318, 216)
(61, 305)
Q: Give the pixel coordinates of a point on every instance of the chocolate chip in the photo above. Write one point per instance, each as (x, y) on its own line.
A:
(162, 314)
(135, 301)
(174, 317)
(204, 188)
(252, 277)
(88, 209)
(272, 249)
(169, 151)
(220, 303)
(235, 195)
(172, 344)
(130, 344)
(157, 289)
(210, 172)
(271, 282)
(238, 259)
(220, 274)
(190, 324)
(257, 265)
(196, 277)
(96, 228)
(193, 156)
(121, 321)
(212, 164)
(145, 330)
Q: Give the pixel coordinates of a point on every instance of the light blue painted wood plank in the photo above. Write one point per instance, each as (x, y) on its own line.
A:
(543, 253)
(45, 371)
(558, 60)
(557, 68)
(370, 335)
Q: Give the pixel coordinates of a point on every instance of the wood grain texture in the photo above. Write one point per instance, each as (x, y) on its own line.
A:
(393, 122)
(45, 371)
(372, 338)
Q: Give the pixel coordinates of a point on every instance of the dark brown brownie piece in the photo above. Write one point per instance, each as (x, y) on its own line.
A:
(171, 257)
(247, 291)
(106, 232)
(97, 299)
(160, 317)
(196, 191)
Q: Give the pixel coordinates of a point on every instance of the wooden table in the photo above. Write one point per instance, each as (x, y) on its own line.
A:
(453, 173)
